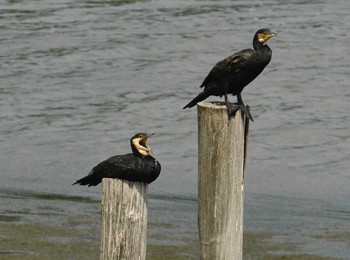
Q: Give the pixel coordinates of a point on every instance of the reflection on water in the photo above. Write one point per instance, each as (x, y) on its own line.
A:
(78, 79)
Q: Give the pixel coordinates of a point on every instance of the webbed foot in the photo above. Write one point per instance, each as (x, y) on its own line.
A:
(233, 108)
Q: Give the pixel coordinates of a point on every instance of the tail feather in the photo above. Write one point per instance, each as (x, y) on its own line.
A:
(89, 180)
(201, 96)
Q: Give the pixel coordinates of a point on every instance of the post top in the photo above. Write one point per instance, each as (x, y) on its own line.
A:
(212, 104)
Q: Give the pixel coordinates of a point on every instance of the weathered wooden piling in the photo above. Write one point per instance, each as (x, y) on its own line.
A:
(222, 146)
(124, 219)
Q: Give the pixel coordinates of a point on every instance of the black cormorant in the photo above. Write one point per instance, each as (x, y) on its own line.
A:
(232, 74)
(137, 166)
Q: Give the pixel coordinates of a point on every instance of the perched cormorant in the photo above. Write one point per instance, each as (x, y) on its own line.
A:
(232, 74)
(137, 166)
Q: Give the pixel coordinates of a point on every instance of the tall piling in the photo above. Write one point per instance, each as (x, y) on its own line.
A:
(222, 145)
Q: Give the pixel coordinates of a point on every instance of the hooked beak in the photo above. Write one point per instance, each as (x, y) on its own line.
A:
(272, 34)
(151, 134)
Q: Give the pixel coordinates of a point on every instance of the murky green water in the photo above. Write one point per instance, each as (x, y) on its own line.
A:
(79, 78)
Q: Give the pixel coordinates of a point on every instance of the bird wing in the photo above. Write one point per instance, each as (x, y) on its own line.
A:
(229, 66)
(119, 166)
(115, 166)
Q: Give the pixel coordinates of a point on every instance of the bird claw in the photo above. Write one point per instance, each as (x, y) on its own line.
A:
(232, 110)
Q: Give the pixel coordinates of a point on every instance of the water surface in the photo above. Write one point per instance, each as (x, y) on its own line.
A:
(78, 79)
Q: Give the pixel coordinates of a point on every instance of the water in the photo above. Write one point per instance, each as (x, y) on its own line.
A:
(78, 79)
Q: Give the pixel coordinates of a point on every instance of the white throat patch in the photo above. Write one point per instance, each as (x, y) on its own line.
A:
(140, 148)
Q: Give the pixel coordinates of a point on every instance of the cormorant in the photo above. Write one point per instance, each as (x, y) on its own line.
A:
(232, 74)
(138, 166)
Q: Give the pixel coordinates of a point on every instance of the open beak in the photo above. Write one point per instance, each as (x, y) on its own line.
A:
(144, 141)
(151, 134)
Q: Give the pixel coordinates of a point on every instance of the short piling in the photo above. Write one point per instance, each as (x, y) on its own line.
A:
(124, 219)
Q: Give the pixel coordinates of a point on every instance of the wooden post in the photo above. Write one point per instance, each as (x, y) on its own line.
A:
(221, 173)
(124, 219)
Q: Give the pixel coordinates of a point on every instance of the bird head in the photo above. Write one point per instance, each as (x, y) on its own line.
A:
(263, 35)
(139, 144)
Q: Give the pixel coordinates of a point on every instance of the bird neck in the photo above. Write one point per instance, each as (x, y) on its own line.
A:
(257, 45)
(136, 152)
(139, 155)
(262, 48)
(144, 158)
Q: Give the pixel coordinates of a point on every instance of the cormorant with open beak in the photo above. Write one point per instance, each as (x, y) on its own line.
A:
(138, 166)
(232, 74)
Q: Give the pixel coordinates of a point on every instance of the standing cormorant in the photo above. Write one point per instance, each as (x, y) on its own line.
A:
(137, 166)
(232, 74)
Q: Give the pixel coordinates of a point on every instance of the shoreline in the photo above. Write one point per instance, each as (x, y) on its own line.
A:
(43, 241)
